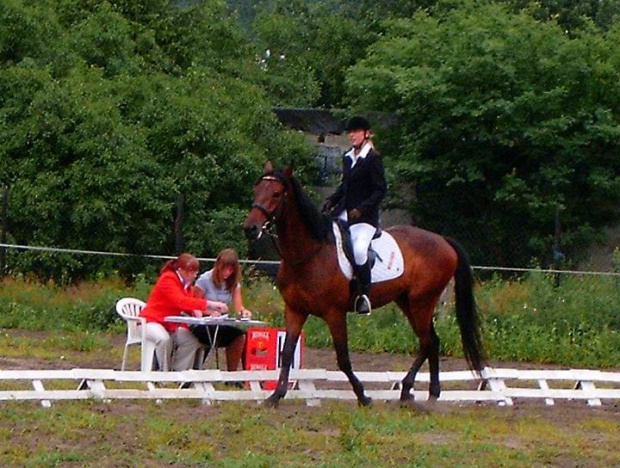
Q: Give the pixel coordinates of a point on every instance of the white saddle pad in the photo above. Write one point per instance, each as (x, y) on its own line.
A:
(388, 265)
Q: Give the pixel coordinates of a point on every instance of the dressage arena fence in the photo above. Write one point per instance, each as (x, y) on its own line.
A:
(502, 386)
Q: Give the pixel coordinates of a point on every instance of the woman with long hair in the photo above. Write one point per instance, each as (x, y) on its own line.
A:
(223, 284)
(170, 296)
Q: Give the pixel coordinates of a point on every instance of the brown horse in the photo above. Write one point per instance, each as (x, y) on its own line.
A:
(311, 282)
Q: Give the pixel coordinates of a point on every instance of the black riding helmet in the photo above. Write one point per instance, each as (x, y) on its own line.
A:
(357, 123)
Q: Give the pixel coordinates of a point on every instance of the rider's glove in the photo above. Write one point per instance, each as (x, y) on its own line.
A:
(354, 214)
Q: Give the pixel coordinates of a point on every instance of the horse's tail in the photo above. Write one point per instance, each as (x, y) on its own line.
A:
(466, 314)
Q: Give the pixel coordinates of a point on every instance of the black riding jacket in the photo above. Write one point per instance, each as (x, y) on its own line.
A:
(363, 187)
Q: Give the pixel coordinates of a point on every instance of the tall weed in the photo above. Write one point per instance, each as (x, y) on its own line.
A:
(32, 305)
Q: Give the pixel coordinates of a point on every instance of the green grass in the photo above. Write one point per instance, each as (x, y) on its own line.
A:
(187, 434)
(58, 346)
(575, 324)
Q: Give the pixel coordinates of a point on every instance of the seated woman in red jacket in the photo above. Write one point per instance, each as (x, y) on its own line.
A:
(172, 295)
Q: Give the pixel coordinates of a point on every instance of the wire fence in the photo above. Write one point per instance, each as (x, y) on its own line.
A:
(269, 267)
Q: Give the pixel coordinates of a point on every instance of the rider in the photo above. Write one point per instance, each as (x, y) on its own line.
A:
(357, 200)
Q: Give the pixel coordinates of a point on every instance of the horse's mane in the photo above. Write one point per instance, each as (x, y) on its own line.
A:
(318, 224)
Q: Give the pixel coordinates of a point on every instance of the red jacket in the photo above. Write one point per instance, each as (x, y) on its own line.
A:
(169, 297)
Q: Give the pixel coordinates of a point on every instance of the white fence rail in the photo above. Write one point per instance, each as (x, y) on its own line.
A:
(502, 386)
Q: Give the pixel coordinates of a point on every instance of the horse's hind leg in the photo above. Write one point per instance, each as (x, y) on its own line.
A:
(420, 317)
(434, 388)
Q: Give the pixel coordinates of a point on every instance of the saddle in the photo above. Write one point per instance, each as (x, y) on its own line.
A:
(384, 254)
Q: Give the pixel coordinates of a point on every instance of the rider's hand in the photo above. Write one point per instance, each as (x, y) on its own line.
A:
(354, 214)
(246, 314)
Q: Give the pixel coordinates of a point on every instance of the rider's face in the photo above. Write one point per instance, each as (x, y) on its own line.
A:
(357, 137)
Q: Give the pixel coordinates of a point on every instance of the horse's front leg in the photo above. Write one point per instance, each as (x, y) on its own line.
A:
(294, 323)
(337, 323)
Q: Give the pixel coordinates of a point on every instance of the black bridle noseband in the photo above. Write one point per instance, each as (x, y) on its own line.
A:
(271, 216)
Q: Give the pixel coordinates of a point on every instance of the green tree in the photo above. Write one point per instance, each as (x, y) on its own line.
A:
(25, 31)
(571, 15)
(306, 49)
(502, 121)
(110, 110)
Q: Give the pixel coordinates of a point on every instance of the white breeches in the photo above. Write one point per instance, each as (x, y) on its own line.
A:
(186, 346)
(361, 237)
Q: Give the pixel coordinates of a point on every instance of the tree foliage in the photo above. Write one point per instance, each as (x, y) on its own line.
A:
(109, 110)
(306, 49)
(500, 127)
(569, 14)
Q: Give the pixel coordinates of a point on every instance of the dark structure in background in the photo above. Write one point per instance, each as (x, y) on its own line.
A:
(314, 121)
(323, 130)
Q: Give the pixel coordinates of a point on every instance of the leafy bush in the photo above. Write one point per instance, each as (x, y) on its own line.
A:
(500, 129)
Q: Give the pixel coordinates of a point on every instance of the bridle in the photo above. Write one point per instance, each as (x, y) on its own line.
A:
(273, 215)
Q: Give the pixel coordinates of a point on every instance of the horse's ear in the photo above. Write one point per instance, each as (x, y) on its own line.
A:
(268, 167)
(288, 172)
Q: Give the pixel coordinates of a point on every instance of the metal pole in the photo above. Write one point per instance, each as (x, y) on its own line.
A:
(178, 226)
(558, 256)
(5, 211)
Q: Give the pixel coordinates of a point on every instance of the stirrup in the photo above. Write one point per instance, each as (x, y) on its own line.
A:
(362, 305)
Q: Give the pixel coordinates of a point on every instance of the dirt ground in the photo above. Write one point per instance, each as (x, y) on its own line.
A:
(565, 417)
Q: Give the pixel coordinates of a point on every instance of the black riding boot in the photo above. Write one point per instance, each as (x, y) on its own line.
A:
(362, 302)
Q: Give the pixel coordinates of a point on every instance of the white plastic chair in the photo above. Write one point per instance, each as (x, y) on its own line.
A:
(130, 308)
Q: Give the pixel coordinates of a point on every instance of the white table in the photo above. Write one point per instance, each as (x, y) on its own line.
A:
(223, 320)
(217, 322)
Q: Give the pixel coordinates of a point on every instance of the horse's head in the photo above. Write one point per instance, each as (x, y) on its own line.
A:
(269, 201)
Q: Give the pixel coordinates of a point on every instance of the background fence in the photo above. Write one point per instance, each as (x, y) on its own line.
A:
(605, 264)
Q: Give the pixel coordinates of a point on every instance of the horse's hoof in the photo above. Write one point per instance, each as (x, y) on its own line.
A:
(365, 401)
(272, 401)
(406, 400)
(407, 403)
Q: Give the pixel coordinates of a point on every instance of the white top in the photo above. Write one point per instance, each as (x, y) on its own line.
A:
(205, 282)
(362, 154)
